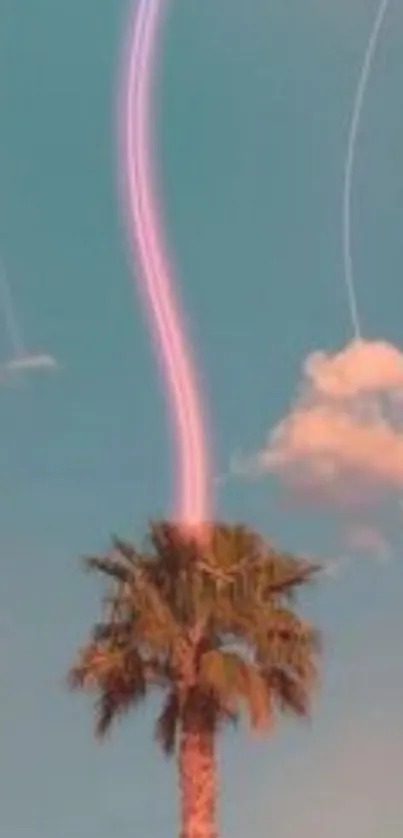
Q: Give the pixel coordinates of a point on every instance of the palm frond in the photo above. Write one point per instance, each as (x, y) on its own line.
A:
(167, 723)
(126, 551)
(138, 598)
(290, 694)
(110, 706)
(110, 567)
(232, 678)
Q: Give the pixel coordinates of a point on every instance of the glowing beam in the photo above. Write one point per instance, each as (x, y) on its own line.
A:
(154, 271)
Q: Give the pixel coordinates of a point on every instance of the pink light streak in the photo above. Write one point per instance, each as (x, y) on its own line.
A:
(154, 272)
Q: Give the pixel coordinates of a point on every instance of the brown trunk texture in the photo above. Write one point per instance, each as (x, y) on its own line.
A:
(198, 784)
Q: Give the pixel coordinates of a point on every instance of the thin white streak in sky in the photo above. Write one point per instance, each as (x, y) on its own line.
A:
(349, 163)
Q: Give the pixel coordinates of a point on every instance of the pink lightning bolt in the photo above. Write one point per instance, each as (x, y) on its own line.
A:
(154, 271)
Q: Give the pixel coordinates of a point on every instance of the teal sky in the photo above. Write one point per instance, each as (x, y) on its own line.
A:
(255, 100)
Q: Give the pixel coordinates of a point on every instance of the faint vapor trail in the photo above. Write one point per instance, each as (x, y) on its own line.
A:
(154, 270)
(349, 164)
(13, 330)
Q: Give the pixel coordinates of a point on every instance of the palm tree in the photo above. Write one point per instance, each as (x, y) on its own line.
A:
(211, 626)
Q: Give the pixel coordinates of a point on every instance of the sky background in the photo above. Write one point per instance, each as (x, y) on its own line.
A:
(255, 100)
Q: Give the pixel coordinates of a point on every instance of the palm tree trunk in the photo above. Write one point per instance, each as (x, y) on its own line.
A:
(198, 783)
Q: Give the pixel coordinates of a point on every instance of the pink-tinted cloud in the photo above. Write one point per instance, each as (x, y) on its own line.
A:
(343, 438)
(363, 367)
(363, 538)
(326, 444)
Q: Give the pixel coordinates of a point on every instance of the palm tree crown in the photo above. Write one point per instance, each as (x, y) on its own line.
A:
(213, 627)
(210, 624)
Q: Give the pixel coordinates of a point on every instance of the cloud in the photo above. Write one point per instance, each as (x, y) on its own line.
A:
(29, 362)
(335, 568)
(342, 440)
(362, 367)
(324, 445)
(369, 540)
